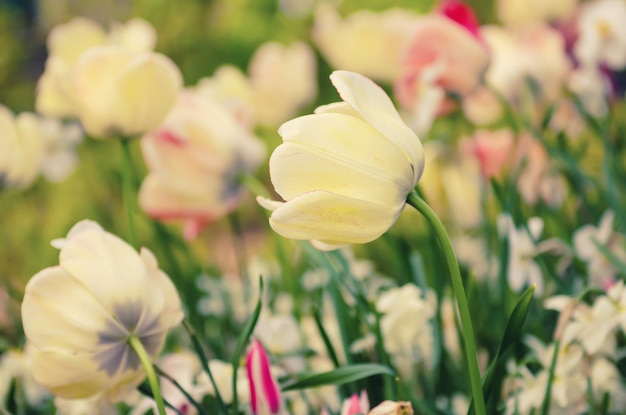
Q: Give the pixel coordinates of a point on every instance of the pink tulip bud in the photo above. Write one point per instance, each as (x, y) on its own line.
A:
(264, 391)
(356, 404)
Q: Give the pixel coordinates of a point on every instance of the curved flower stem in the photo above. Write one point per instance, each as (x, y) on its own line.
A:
(137, 346)
(457, 285)
(127, 190)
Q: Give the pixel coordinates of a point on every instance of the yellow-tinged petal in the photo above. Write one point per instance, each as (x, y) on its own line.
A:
(330, 172)
(376, 108)
(147, 90)
(349, 141)
(61, 315)
(333, 219)
(102, 262)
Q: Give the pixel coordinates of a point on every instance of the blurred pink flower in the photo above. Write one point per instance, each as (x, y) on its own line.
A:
(440, 41)
(492, 149)
(462, 14)
(356, 404)
(264, 391)
(195, 160)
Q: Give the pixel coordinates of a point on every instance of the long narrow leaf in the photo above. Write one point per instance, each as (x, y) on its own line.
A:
(338, 376)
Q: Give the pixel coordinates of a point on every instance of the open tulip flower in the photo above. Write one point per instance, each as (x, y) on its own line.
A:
(346, 170)
(81, 315)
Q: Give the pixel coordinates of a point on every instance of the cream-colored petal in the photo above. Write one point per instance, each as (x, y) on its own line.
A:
(351, 142)
(104, 263)
(95, 88)
(268, 203)
(376, 108)
(170, 311)
(59, 314)
(136, 34)
(165, 200)
(333, 219)
(147, 91)
(68, 41)
(319, 170)
(69, 376)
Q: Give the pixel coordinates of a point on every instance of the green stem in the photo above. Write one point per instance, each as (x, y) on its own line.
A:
(127, 189)
(457, 285)
(137, 346)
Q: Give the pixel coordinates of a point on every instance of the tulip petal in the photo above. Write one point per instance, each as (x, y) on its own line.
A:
(328, 172)
(333, 219)
(376, 108)
(61, 315)
(147, 91)
(353, 147)
(102, 262)
(69, 376)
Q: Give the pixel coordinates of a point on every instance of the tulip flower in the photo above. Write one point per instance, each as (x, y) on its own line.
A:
(264, 392)
(195, 159)
(83, 315)
(121, 92)
(356, 404)
(392, 408)
(345, 171)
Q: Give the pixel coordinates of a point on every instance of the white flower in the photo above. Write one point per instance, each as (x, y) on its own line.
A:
(586, 241)
(602, 34)
(406, 327)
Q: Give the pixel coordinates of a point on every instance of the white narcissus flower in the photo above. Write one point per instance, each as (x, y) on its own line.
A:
(345, 171)
(407, 328)
(80, 315)
(118, 92)
(588, 241)
(602, 34)
(196, 157)
(21, 148)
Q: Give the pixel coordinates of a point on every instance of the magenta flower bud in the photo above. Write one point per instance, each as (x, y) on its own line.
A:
(264, 391)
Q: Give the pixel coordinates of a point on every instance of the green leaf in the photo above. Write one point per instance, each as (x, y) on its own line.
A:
(242, 341)
(339, 376)
(515, 324)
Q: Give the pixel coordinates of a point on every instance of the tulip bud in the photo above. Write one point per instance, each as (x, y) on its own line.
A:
(392, 408)
(264, 391)
(356, 404)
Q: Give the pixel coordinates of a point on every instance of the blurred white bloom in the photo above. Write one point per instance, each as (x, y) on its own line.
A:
(406, 327)
(366, 42)
(591, 327)
(223, 374)
(315, 278)
(536, 52)
(16, 365)
(586, 240)
(592, 88)
(602, 34)
(527, 389)
(67, 42)
(528, 12)
(59, 155)
(523, 247)
(392, 408)
(184, 367)
(283, 80)
(280, 334)
(231, 88)
(21, 148)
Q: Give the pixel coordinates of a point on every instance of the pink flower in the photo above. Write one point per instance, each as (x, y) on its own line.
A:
(356, 404)
(492, 149)
(439, 42)
(461, 13)
(195, 160)
(264, 392)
